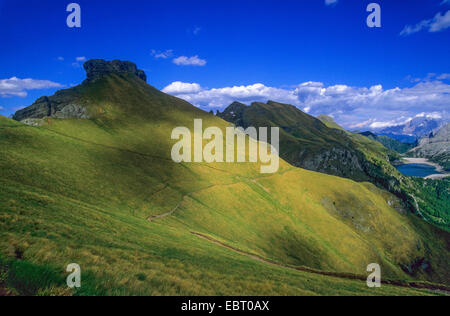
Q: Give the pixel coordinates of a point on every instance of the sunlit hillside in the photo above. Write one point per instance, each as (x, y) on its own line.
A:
(92, 191)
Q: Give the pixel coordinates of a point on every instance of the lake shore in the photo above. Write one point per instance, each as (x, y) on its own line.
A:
(425, 161)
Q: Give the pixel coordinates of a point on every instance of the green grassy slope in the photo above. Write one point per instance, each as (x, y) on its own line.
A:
(319, 144)
(304, 140)
(433, 200)
(82, 191)
(329, 122)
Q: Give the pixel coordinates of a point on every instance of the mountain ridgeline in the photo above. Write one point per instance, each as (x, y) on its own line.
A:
(100, 189)
(389, 142)
(320, 144)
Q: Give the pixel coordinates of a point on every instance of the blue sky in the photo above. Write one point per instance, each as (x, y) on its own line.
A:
(321, 57)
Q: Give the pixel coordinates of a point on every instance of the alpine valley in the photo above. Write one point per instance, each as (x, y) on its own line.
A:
(87, 178)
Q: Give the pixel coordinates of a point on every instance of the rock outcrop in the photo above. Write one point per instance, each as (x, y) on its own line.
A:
(234, 113)
(61, 105)
(97, 68)
(435, 147)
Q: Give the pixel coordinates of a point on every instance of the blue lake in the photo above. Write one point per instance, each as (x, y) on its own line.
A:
(417, 170)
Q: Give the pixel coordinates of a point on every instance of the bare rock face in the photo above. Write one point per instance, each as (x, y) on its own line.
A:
(234, 113)
(41, 108)
(72, 111)
(97, 68)
(64, 104)
(436, 147)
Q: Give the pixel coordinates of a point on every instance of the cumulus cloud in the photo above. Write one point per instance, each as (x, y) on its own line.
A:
(219, 98)
(189, 61)
(80, 59)
(331, 2)
(179, 87)
(15, 87)
(353, 107)
(440, 22)
(181, 60)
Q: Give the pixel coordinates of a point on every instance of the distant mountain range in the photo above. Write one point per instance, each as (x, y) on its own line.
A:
(413, 130)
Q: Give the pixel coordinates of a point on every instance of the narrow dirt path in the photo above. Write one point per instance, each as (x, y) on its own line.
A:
(152, 218)
(253, 180)
(439, 289)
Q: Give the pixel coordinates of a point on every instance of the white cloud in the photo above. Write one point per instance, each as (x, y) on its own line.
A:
(80, 59)
(60, 58)
(162, 54)
(355, 107)
(331, 2)
(440, 22)
(18, 87)
(179, 87)
(219, 98)
(189, 61)
(380, 125)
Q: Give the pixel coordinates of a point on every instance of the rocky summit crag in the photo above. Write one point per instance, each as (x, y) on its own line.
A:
(67, 103)
(97, 68)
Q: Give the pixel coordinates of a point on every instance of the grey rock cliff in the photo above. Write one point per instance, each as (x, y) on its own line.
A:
(63, 104)
(436, 147)
(97, 68)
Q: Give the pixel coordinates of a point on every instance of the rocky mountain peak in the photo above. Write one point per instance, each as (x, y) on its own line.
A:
(234, 113)
(97, 68)
(69, 103)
